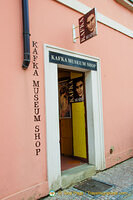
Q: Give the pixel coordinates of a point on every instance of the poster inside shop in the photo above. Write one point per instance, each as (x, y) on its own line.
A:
(78, 89)
(88, 25)
(64, 103)
(70, 91)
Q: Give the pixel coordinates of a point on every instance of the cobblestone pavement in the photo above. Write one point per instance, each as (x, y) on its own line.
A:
(119, 176)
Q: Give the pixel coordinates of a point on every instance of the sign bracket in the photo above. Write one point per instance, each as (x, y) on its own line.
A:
(74, 33)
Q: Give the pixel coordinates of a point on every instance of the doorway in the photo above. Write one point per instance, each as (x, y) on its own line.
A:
(94, 112)
(72, 118)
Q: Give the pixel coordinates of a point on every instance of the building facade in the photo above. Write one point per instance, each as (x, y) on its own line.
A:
(97, 130)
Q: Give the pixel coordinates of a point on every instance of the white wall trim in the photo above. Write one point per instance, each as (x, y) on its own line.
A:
(82, 8)
(126, 3)
(52, 122)
(94, 114)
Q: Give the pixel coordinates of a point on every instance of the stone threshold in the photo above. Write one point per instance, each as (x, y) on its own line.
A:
(74, 175)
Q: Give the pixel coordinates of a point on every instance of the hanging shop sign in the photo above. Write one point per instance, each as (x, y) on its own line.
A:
(63, 59)
(88, 25)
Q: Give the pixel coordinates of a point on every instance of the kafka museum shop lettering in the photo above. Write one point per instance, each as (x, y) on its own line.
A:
(72, 61)
(36, 85)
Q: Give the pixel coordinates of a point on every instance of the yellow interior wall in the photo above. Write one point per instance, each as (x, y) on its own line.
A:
(78, 124)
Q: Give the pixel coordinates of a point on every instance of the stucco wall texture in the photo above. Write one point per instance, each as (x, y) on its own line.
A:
(23, 174)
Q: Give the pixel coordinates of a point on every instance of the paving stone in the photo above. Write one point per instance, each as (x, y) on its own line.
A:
(120, 176)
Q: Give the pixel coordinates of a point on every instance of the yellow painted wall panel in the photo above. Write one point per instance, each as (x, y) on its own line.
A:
(79, 134)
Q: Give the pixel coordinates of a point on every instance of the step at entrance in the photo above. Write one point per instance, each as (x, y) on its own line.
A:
(74, 175)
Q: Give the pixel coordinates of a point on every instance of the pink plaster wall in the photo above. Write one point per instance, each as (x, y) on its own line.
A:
(115, 51)
(22, 173)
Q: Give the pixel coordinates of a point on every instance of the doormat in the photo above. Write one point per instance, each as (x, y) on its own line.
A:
(92, 186)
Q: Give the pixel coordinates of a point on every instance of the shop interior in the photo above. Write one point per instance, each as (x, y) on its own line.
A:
(72, 118)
